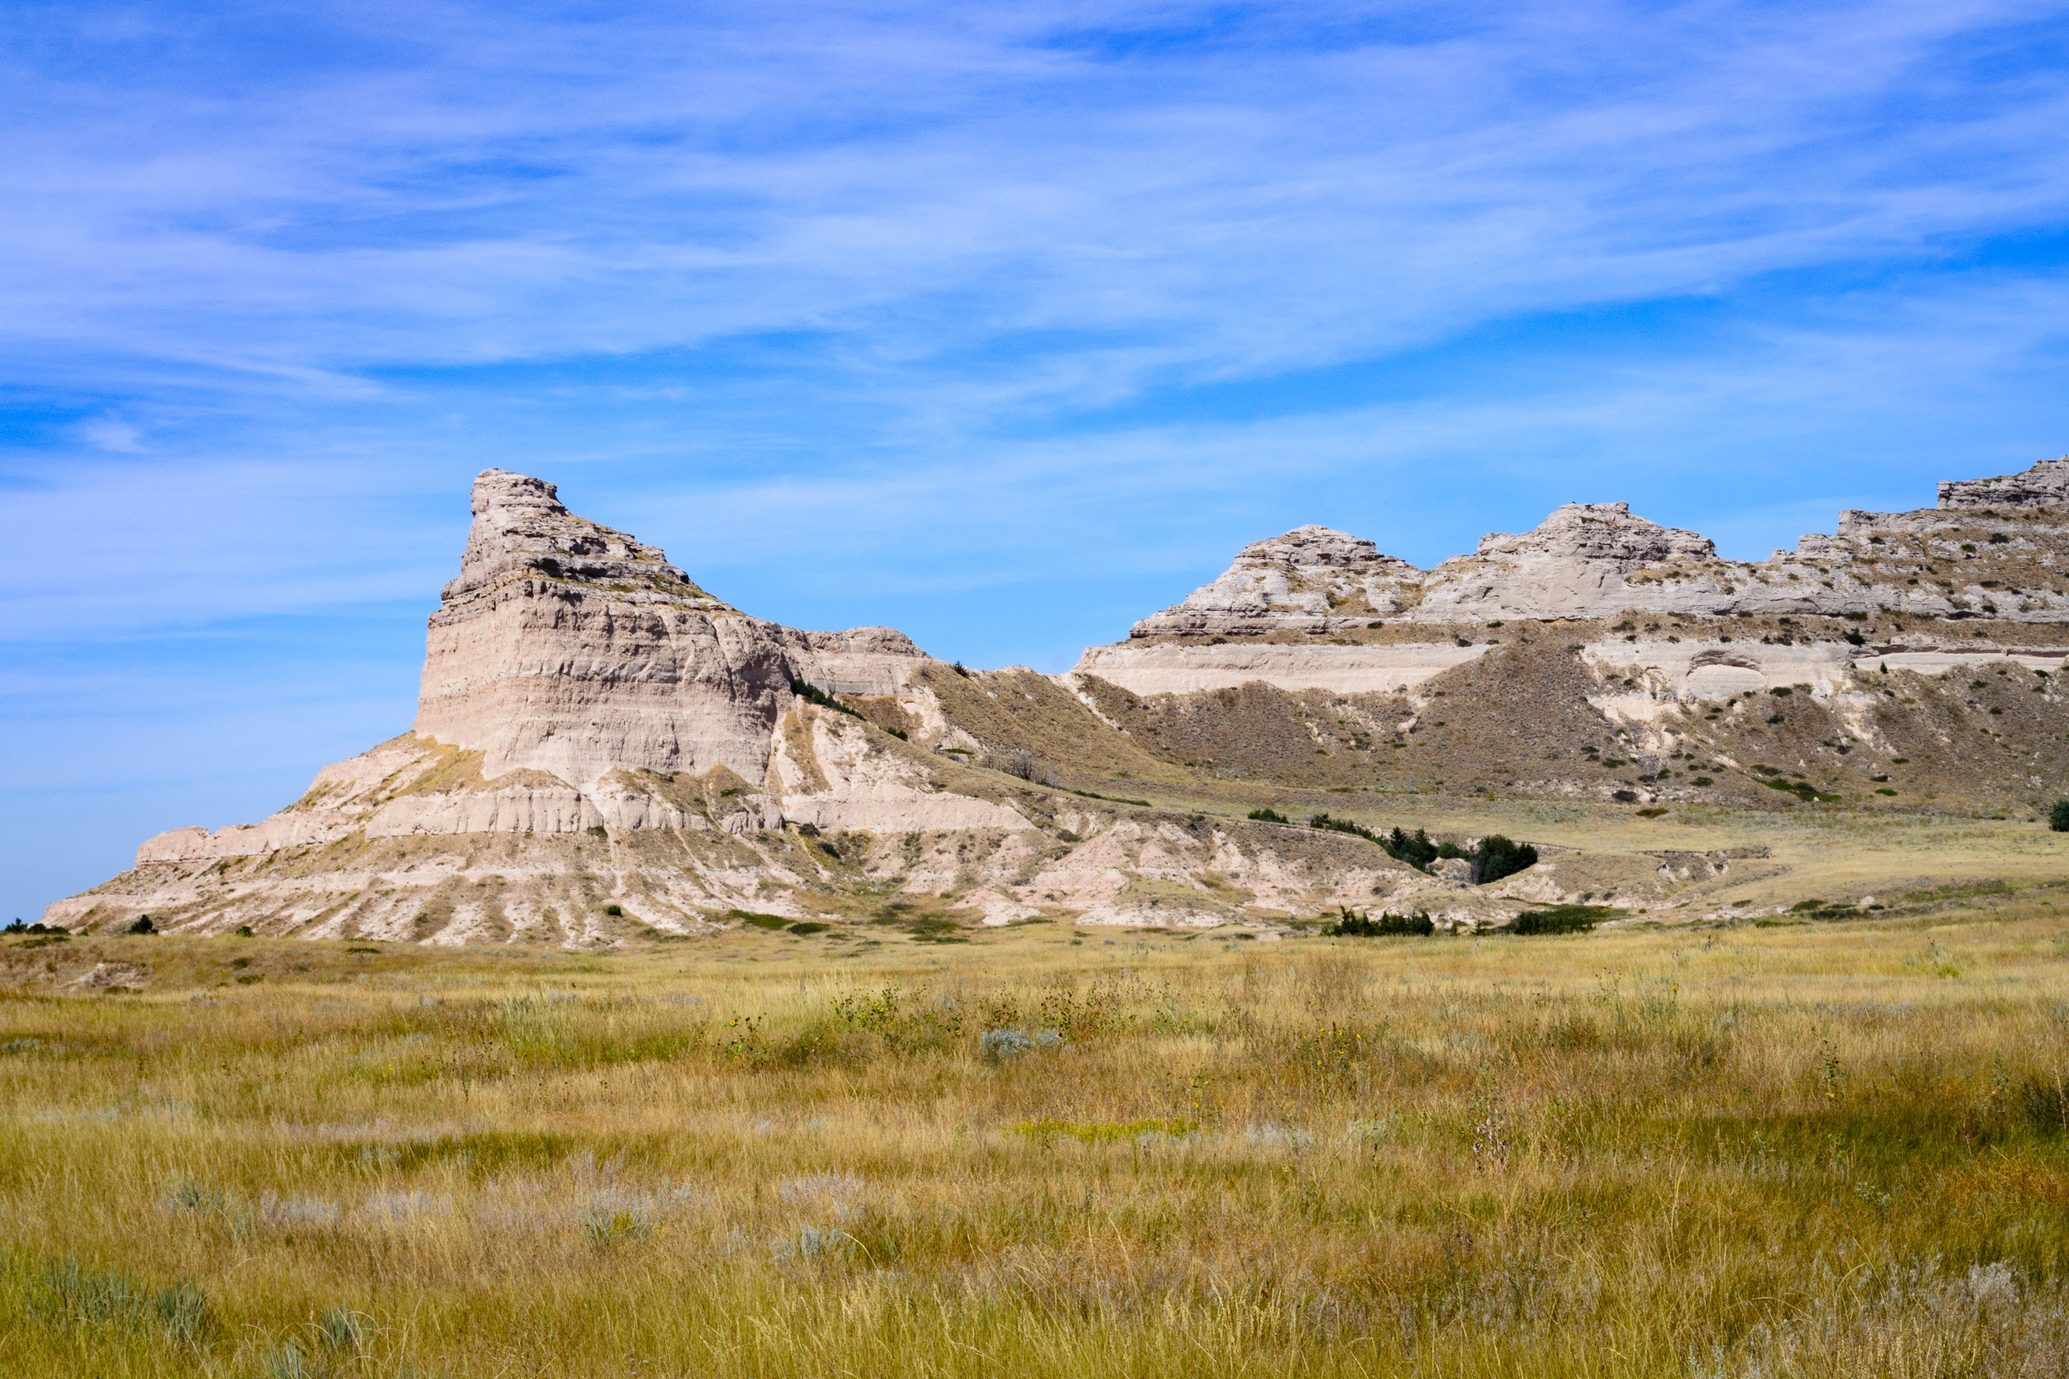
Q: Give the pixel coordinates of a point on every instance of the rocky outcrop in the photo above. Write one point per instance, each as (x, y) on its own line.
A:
(567, 647)
(577, 687)
(604, 749)
(1587, 560)
(1150, 668)
(1992, 547)
(1311, 579)
(2044, 485)
(1703, 670)
(831, 775)
(1936, 636)
(568, 659)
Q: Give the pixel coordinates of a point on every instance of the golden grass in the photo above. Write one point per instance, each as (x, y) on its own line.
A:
(1808, 1149)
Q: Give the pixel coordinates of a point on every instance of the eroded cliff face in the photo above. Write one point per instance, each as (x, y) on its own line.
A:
(1312, 579)
(1993, 547)
(603, 749)
(567, 647)
(2044, 485)
(1914, 656)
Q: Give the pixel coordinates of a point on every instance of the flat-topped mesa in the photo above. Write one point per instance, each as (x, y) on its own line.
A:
(2046, 484)
(568, 647)
(1311, 579)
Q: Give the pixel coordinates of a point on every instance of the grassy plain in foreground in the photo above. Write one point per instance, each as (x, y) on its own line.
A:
(1793, 1148)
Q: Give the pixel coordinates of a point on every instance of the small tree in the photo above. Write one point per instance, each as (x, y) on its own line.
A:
(1498, 856)
(2058, 817)
(143, 925)
(1415, 849)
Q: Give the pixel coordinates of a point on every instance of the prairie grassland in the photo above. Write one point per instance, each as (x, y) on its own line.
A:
(1801, 1149)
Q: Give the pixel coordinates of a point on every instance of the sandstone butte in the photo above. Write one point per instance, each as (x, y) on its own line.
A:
(604, 751)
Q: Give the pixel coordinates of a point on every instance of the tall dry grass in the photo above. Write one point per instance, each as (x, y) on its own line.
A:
(1818, 1149)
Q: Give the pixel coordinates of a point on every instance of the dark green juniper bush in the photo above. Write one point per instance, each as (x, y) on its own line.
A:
(1357, 924)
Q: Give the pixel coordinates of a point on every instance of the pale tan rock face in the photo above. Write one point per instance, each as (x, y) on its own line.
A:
(604, 749)
(862, 660)
(1580, 563)
(1996, 548)
(830, 775)
(2044, 485)
(534, 675)
(1309, 580)
(567, 647)
(1150, 668)
(1703, 670)
(578, 686)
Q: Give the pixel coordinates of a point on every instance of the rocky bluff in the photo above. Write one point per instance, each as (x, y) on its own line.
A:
(603, 749)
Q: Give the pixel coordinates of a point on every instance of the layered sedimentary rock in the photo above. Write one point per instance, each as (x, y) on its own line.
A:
(1148, 668)
(2044, 485)
(1585, 561)
(1311, 579)
(568, 667)
(567, 647)
(603, 749)
(1993, 548)
(1914, 657)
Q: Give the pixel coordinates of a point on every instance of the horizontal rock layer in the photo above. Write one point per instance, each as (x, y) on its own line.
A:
(567, 647)
(1994, 547)
(603, 748)
(1189, 669)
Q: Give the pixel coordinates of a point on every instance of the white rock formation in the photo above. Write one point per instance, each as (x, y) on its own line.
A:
(603, 748)
(593, 726)
(1702, 670)
(1598, 560)
(1311, 579)
(1151, 668)
(1994, 548)
(571, 648)
(567, 659)
(1587, 560)
(832, 776)
(2044, 485)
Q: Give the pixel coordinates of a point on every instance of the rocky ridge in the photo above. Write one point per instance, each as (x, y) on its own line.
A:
(604, 750)
(1910, 660)
(567, 647)
(1599, 560)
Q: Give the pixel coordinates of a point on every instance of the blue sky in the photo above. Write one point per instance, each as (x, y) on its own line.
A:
(1003, 324)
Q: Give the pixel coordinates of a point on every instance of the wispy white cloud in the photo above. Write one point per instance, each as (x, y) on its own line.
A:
(933, 184)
